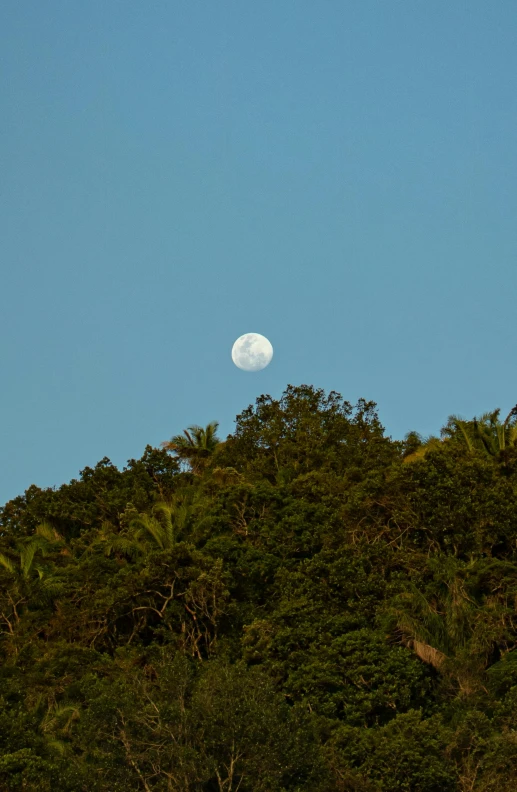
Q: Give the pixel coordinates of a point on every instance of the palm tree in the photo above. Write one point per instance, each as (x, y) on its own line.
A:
(462, 429)
(20, 564)
(455, 630)
(57, 725)
(44, 539)
(494, 435)
(195, 445)
(487, 433)
(120, 543)
(158, 526)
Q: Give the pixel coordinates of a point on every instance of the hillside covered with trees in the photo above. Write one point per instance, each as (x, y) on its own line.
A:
(306, 606)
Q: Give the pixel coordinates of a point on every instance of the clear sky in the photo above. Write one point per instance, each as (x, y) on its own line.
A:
(339, 176)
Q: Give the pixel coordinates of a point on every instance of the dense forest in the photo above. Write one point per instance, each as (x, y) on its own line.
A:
(308, 605)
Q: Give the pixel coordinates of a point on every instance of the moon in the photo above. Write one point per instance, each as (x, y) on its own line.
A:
(252, 352)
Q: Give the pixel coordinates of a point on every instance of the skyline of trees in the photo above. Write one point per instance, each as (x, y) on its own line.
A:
(306, 605)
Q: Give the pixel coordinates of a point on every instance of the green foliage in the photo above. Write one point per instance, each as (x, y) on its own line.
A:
(486, 435)
(407, 754)
(195, 445)
(308, 605)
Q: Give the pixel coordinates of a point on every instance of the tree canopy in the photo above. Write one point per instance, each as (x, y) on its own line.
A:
(308, 605)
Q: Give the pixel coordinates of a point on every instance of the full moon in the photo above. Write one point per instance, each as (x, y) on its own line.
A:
(252, 352)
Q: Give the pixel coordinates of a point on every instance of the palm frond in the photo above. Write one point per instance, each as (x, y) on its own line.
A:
(149, 525)
(428, 654)
(164, 517)
(58, 746)
(52, 585)
(27, 556)
(512, 434)
(195, 438)
(127, 546)
(48, 532)
(60, 717)
(7, 563)
(464, 429)
(190, 435)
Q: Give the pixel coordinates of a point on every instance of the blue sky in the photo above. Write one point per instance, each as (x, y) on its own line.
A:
(338, 176)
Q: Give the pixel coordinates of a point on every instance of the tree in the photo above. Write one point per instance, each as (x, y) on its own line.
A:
(486, 434)
(417, 447)
(306, 612)
(306, 430)
(100, 494)
(195, 445)
(462, 621)
(157, 526)
(21, 585)
(44, 539)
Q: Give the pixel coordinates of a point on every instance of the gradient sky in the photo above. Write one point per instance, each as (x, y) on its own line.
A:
(338, 176)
